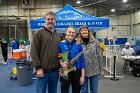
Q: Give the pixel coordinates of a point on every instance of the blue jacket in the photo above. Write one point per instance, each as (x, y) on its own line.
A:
(73, 50)
(14, 45)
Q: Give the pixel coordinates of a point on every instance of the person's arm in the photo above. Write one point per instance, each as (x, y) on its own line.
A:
(11, 44)
(82, 78)
(77, 41)
(81, 57)
(15, 44)
(35, 51)
(123, 52)
(63, 64)
(133, 52)
(102, 45)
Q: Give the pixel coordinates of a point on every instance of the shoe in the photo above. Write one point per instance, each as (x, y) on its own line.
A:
(4, 62)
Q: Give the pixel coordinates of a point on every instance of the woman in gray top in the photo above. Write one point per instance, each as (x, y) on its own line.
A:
(93, 60)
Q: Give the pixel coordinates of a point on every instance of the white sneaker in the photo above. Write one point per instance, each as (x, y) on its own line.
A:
(4, 63)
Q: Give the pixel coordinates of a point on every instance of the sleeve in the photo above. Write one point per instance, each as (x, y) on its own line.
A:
(100, 56)
(82, 57)
(35, 50)
(123, 52)
(102, 46)
(59, 45)
(15, 44)
(133, 51)
(11, 44)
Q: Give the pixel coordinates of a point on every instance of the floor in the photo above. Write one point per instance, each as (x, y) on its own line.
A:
(128, 84)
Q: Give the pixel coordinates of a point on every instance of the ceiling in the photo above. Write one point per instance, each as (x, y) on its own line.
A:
(95, 7)
(103, 7)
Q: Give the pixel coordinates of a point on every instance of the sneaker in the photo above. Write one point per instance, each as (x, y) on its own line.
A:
(4, 63)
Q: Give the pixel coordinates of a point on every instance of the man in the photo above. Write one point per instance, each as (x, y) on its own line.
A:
(128, 51)
(4, 48)
(44, 53)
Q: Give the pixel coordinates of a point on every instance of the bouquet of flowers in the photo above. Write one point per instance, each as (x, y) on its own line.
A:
(64, 57)
(63, 72)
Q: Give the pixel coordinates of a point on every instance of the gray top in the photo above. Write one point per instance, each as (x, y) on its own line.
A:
(93, 58)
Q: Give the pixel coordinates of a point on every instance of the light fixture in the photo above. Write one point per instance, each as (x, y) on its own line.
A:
(112, 10)
(78, 2)
(124, 1)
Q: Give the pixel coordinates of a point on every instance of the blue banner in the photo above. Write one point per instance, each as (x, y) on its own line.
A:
(68, 16)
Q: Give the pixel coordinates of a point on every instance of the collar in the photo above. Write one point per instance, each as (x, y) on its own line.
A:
(68, 42)
(90, 40)
(46, 29)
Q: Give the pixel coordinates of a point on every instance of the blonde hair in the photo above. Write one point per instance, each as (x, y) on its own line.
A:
(11, 39)
(71, 27)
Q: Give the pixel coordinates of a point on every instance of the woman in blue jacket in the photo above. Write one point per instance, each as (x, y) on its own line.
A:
(76, 78)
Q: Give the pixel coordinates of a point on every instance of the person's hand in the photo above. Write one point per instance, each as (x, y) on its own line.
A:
(64, 64)
(77, 41)
(102, 73)
(40, 73)
(82, 79)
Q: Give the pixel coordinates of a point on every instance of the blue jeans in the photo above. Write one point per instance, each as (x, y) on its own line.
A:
(49, 81)
(93, 81)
